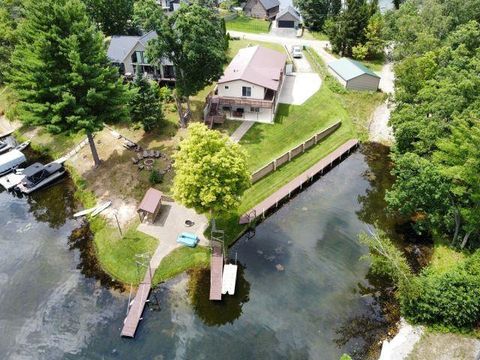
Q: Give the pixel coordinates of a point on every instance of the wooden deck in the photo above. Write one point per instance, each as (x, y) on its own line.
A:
(135, 312)
(216, 273)
(285, 191)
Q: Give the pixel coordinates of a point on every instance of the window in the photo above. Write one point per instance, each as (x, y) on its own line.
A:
(226, 87)
(246, 91)
(254, 109)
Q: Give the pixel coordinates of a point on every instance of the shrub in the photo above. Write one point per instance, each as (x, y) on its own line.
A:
(360, 52)
(450, 299)
(156, 177)
(166, 94)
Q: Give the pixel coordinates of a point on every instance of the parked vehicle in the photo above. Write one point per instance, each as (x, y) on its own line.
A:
(38, 175)
(297, 52)
(10, 161)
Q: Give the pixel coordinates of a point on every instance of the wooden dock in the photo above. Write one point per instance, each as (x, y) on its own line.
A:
(216, 273)
(136, 309)
(284, 192)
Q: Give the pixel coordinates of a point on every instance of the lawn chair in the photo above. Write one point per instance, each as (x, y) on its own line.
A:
(145, 154)
(140, 156)
(141, 167)
(135, 160)
(151, 153)
(156, 154)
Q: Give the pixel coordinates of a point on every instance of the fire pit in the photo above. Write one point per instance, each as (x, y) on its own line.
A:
(148, 162)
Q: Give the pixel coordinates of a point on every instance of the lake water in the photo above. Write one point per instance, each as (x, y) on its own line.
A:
(301, 292)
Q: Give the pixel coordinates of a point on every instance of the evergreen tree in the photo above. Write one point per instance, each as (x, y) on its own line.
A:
(10, 14)
(316, 12)
(114, 17)
(145, 103)
(347, 30)
(60, 72)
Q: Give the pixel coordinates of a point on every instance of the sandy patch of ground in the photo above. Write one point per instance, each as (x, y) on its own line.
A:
(379, 130)
(402, 344)
(437, 346)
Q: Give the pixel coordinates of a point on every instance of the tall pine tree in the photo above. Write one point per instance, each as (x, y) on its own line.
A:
(60, 71)
(145, 103)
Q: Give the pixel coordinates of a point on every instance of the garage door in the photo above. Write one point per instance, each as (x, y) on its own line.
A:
(286, 24)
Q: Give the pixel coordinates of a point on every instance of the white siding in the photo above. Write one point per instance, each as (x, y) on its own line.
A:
(235, 89)
(364, 82)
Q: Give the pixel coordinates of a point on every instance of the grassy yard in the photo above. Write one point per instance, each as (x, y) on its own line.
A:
(116, 254)
(248, 24)
(295, 124)
(314, 35)
(180, 260)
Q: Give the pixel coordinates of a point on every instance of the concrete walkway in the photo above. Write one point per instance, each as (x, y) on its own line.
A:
(169, 224)
(241, 131)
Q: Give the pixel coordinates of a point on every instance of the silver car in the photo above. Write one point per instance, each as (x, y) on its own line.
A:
(297, 52)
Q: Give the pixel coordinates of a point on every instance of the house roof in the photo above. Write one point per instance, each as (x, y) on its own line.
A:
(289, 10)
(150, 201)
(257, 65)
(268, 4)
(349, 69)
(121, 46)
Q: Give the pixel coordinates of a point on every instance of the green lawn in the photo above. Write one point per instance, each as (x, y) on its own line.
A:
(116, 254)
(314, 35)
(248, 24)
(180, 260)
(295, 124)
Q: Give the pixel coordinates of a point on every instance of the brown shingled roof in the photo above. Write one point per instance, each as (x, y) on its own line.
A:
(257, 65)
(150, 201)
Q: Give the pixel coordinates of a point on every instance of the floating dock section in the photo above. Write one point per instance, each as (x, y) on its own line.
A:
(229, 279)
(136, 308)
(216, 273)
(284, 192)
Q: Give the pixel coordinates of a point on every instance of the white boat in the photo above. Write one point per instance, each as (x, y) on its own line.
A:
(22, 146)
(100, 208)
(38, 176)
(11, 180)
(5, 146)
(10, 161)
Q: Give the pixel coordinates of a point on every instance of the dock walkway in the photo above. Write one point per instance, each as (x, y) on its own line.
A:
(285, 191)
(216, 273)
(135, 312)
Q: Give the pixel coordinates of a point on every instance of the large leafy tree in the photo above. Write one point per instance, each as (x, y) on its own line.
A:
(436, 130)
(145, 103)
(193, 38)
(316, 12)
(211, 171)
(114, 17)
(60, 72)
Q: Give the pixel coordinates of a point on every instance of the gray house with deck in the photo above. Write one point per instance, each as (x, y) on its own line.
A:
(128, 54)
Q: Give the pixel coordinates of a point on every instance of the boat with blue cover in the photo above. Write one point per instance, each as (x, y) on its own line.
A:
(188, 239)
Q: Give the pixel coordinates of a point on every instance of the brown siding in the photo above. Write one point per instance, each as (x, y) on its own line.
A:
(255, 9)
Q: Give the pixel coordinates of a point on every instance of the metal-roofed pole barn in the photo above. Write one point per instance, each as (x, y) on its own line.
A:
(354, 75)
